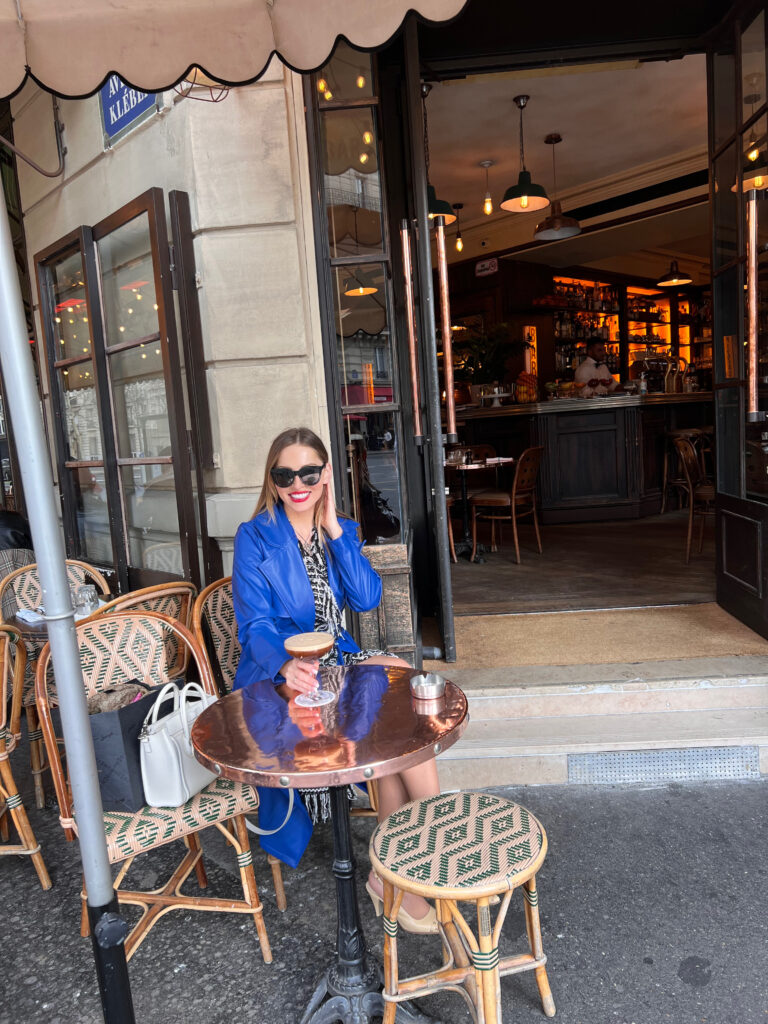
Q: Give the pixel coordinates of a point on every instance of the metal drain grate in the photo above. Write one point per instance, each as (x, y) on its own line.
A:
(685, 764)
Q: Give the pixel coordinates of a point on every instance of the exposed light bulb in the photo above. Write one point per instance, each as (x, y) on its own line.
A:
(130, 309)
(85, 348)
(66, 373)
(121, 328)
(488, 205)
(360, 83)
(71, 320)
(155, 305)
(753, 154)
(143, 355)
(57, 319)
(367, 138)
(523, 202)
(363, 158)
(157, 351)
(85, 319)
(328, 95)
(70, 309)
(459, 243)
(322, 85)
(139, 296)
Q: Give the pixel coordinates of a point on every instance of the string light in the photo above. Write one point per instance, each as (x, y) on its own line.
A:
(367, 138)
(360, 81)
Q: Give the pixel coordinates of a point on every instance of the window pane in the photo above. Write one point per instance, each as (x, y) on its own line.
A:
(71, 330)
(351, 181)
(754, 156)
(727, 306)
(82, 432)
(139, 401)
(362, 335)
(346, 77)
(753, 66)
(152, 519)
(726, 208)
(128, 283)
(373, 471)
(724, 95)
(92, 514)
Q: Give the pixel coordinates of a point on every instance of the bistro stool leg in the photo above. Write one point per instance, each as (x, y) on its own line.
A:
(533, 927)
(487, 965)
(35, 736)
(277, 881)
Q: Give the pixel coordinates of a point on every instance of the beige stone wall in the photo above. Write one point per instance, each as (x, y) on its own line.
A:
(244, 164)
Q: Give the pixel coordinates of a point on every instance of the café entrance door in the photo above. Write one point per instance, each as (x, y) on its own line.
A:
(738, 137)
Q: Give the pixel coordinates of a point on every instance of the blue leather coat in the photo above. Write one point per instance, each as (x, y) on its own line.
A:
(272, 595)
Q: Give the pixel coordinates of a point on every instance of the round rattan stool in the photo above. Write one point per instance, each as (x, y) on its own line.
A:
(462, 847)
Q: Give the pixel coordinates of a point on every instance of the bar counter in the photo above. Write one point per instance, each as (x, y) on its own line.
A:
(603, 457)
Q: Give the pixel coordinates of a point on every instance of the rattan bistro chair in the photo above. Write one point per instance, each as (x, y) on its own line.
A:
(700, 490)
(13, 661)
(457, 848)
(128, 645)
(215, 628)
(501, 506)
(28, 593)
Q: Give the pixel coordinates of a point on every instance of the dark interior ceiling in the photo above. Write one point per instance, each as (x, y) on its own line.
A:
(490, 34)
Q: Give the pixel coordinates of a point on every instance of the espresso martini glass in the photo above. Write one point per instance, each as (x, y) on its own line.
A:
(309, 647)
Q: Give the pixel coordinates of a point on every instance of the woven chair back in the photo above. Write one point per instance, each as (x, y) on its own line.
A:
(689, 462)
(482, 451)
(115, 649)
(13, 657)
(165, 557)
(215, 608)
(172, 599)
(526, 472)
(28, 590)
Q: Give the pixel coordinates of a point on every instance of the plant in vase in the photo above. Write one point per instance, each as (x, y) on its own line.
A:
(485, 358)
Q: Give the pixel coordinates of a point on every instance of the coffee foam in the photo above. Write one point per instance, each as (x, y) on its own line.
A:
(308, 642)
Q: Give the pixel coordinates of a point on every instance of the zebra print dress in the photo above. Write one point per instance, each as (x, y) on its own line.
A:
(327, 612)
(327, 620)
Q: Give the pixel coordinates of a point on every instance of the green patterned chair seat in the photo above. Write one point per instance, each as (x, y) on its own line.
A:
(456, 842)
(128, 834)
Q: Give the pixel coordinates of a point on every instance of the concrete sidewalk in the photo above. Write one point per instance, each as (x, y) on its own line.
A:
(653, 904)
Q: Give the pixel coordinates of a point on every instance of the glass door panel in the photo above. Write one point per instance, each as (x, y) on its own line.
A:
(139, 383)
(89, 487)
(726, 207)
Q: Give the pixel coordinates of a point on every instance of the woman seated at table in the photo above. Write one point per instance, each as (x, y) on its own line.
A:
(297, 564)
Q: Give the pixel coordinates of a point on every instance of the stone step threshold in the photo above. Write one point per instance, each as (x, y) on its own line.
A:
(535, 737)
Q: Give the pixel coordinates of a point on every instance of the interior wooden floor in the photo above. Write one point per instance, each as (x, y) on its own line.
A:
(626, 564)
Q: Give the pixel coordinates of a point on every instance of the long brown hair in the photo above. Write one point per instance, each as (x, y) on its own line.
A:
(269, 498)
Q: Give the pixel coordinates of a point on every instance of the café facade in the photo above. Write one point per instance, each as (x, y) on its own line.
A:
(215, 263)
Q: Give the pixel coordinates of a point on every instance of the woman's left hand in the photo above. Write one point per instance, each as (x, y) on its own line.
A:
(329, 520)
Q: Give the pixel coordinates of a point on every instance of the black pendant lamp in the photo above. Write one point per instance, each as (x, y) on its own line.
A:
(435, 207)
(526, 195)
(674, 277)
(556, 225)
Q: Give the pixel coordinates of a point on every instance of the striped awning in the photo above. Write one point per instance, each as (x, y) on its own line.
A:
(71, 46)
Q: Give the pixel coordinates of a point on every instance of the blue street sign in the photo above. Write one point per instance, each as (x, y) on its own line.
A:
(122, 107)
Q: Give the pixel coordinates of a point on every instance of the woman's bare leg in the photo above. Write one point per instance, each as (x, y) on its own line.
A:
(395, 790)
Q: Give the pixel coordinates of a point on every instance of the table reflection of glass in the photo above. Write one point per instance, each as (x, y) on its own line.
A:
(373, 729)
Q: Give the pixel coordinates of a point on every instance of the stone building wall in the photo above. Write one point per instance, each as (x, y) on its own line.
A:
(243, 162)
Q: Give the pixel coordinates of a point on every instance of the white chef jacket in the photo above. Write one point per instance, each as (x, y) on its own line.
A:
(588, 370)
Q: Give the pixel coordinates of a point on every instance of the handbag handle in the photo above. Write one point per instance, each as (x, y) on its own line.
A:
(271, 831)
(184, 699)
(169, 690)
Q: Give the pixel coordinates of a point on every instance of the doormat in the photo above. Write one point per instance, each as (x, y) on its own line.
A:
(601, 637)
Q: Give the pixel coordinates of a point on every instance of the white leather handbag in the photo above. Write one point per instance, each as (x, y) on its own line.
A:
(169, 769)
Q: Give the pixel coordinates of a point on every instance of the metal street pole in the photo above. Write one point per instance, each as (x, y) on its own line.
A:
(108, 929)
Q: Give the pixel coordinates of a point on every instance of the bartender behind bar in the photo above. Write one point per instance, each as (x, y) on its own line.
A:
(594, 372)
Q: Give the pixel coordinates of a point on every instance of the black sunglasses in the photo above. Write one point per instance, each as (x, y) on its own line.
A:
(309, 475)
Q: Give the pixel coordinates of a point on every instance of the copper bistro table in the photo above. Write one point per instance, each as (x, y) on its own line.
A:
(374, 728)
(464, 546)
